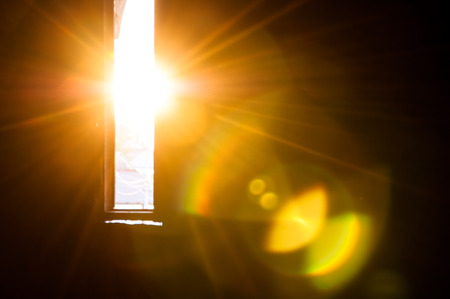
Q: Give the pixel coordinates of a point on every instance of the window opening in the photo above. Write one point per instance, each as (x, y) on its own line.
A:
(133, 104)
(140, 90)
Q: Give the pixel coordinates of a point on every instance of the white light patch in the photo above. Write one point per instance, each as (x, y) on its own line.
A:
(135, 222)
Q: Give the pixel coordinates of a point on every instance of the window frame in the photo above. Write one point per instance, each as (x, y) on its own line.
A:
(108, 170)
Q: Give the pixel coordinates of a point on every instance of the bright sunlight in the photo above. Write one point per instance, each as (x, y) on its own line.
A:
(141, 90)
(140, 87)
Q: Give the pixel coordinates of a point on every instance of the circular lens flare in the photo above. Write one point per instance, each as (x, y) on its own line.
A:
(298, 221)
(257, 186)
(339, 251)
(268, 200)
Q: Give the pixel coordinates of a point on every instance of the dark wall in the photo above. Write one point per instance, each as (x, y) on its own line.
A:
(51, 57)
(306, 92)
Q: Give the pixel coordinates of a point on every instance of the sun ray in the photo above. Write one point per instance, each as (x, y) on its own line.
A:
(244, 33)
(204, 256)
(280, 119)
(302, 148)
(242, 61)
(222, 29)
(400, 184)
(46, 117)
(68, 32)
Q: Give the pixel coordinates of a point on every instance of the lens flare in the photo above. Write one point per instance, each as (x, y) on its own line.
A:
(224, 169)
(268, 201)
(257, 186)
(298, 221)
(339, 251)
